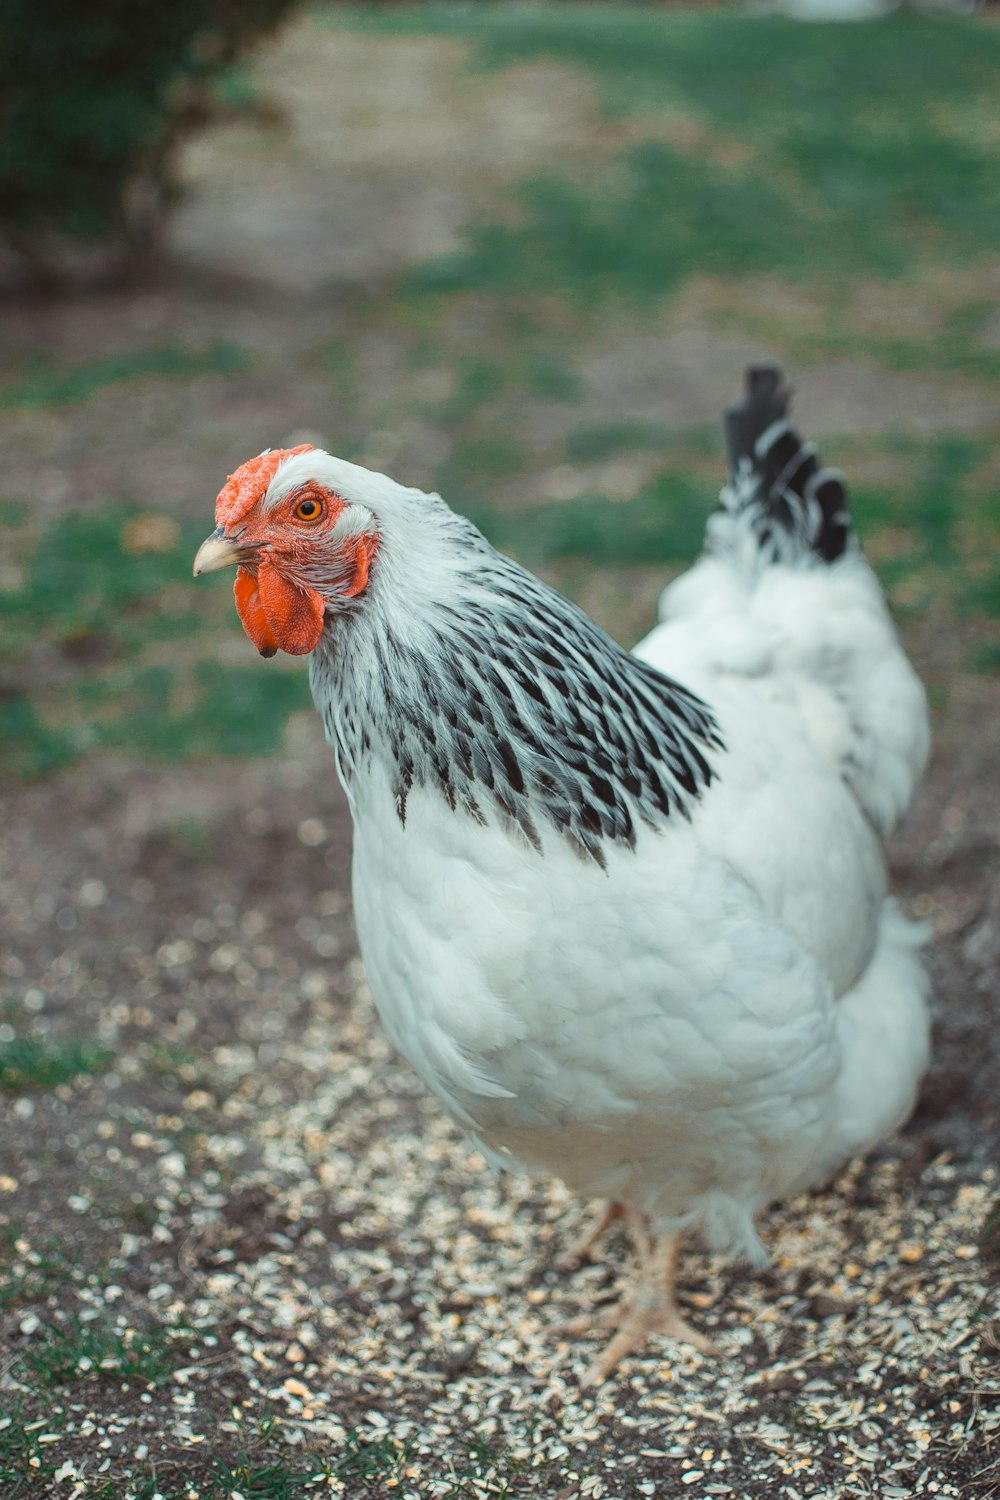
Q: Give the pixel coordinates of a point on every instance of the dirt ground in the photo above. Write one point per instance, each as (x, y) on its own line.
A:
(245, 1255)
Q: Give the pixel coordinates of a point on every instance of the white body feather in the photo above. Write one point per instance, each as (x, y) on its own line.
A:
(724, 1012)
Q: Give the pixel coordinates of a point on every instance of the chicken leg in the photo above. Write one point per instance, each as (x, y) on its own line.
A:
(651, 1308)
(583, 1248)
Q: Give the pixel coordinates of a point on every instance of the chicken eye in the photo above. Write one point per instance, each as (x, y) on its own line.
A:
(309, 509)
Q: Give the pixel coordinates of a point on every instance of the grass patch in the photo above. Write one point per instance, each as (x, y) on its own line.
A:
(66, 1353)
(94, 583)
(263, 1481)
(362, 1466)
(107, 590)
(608, 439)
(478, 461)
(47, 382)
(29, 1062)
(655, 216)
(664, 523)
(138, 711)
(854, 146)
(366, 1465)
(956, 345)
(528, 367)
(364, 1457)
(26, 1274)
(33, 748)
(233, 710)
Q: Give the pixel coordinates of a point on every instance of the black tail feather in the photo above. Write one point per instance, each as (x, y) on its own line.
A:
(798, 510)
(765, 401)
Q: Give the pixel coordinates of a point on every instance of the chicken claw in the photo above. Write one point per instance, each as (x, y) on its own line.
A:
(651, 1309)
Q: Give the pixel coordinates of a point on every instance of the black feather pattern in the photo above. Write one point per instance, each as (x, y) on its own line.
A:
(797, 511)
(520, 705)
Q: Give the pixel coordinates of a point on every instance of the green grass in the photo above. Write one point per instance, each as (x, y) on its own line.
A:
(233, 710)
(30, 1062)
(857, 146)
(530, 366)
(257, 1472)
(280, 1480)
(663, 524)
(955, 345)
(30, 1276)
(364, 1457)
(107, 596)
(84, 580)
(65, 1353)
(608, 439)
(46, 382)
(945, 505)
(652, 217)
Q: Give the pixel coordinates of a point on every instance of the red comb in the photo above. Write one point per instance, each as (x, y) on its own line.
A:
(249, 484)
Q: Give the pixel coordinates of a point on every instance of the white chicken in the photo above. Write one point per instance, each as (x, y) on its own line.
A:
(626, 914)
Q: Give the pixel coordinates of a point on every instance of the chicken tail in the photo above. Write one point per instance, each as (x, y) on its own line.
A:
(779, 498)
(783, 592)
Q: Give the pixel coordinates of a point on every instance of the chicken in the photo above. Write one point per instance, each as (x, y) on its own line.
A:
(626, 914)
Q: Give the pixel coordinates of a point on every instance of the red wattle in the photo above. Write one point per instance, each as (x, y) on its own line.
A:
(276, 615)
(251, 612)
(294, 614)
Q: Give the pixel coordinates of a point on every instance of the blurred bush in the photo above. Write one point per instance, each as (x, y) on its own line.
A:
(94, 100)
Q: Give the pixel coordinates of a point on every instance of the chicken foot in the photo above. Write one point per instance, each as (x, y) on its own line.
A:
(651, 1308)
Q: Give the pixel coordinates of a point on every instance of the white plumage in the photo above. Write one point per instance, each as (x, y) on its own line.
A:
(629, 938)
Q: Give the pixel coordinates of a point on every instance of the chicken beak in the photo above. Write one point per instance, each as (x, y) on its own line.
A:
(216, 551)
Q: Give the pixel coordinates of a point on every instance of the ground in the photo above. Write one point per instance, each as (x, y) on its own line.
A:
(521, 258)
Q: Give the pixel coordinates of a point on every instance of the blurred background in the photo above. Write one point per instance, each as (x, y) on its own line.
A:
(516, 253)
(519, 254)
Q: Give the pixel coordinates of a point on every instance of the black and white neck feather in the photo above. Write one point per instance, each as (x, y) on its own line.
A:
(464, 674)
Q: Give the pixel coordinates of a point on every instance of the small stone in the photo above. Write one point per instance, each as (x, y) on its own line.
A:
(823, 1306)
(783, 1380)
(312, 832)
